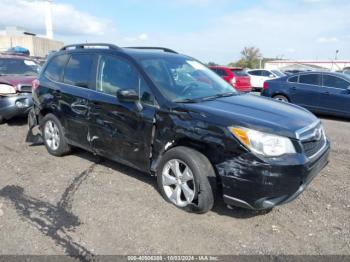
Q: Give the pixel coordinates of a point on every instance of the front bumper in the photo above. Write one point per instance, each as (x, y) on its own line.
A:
(256, 185)
(15, 105)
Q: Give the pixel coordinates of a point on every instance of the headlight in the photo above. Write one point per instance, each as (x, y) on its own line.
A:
(7, 89)
(263, 143)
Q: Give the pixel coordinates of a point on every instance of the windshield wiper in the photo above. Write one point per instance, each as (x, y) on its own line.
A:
(187, 100)
(218, 96)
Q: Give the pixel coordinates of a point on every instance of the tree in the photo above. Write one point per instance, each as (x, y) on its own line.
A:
(250, 58)
(212, 64)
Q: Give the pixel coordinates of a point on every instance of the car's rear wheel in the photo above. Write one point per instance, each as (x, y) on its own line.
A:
(1, 120)
(183, 179)
(52, 132)
(281, 98)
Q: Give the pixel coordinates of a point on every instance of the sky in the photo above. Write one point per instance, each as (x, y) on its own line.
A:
(210, 30)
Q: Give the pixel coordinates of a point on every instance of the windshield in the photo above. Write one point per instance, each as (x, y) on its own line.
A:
(18, 67)
(278, 73)
(181, 79)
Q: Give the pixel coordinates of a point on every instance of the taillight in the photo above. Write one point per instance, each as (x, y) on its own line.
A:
(35, 84)
(233, 81)
(266, 85)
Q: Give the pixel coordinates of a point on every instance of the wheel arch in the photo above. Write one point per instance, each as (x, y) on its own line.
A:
(281, 94)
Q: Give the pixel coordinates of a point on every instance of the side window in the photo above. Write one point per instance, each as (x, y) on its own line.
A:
(255, 73)
(310, 79)
(266, 73)
(118, 74)
(78, 70)
(293, 79)
(333, 81)
(55, 67)
(222, 72)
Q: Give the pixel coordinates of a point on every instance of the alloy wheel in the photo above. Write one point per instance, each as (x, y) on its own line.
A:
(52, 137)
(178, 182)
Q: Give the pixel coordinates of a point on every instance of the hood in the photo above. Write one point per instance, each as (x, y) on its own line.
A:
(259, 113)
(14, 80)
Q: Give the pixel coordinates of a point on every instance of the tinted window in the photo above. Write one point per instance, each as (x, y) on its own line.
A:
(278, 73)
(18, 67)
(78, 70)
(266, 73)
(239, 72)
(221, 72)
(311, 79)
(55, 67)
(117, 74)
(255, 73)
(333, 81)
(293, 79)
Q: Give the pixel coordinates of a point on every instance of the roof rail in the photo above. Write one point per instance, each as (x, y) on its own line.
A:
(153, 48)
(82, 46)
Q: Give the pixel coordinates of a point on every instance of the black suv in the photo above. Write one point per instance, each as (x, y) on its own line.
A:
(167, 114)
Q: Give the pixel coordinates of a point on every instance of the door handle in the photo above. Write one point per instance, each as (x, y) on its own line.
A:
(326, 93)
(294, 88)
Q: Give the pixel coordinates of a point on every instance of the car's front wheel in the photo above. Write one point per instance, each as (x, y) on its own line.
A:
(52, 132)
(183, 179)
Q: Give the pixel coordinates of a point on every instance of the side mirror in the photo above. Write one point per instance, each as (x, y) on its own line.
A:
(130, 95)
(127, 95)
(271, 76)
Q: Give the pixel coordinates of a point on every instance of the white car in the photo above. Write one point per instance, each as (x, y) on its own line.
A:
(259, 76)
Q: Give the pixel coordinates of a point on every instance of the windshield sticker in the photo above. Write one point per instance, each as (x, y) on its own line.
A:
(29, 63)
(196, 65)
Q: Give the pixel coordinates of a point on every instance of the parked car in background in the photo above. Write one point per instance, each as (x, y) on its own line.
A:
(148, 110)
(294, 71)
(259, 76)
(320, 92)
(16, 76)
(346, 71)
(235, 76)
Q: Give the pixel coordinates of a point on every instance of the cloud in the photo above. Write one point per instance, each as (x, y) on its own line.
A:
(135, 39)
(274, 27)
(327, 40)
(67, 20)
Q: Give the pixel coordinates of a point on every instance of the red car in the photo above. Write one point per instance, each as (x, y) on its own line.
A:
(235, 76)
(16, 76)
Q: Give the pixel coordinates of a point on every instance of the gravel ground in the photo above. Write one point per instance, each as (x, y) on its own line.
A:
(80, 203)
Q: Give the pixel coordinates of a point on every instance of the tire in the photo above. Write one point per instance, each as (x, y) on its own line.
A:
(1, 120)
(281, 98)
(201, 200)
(53, 136)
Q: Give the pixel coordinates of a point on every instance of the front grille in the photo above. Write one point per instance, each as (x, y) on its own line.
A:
(312, 139)
(25, 89)
(311, 148)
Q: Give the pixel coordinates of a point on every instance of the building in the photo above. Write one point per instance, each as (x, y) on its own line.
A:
(328, 65)
(38, 46)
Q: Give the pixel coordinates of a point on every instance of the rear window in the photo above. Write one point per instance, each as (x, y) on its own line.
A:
(239, 72)
(78, 70)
